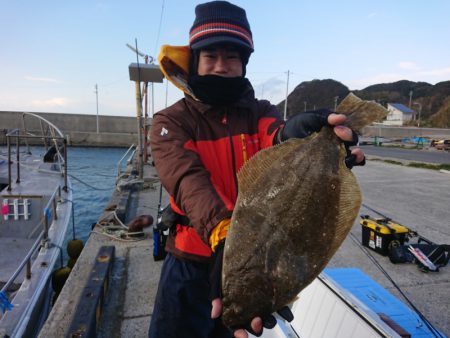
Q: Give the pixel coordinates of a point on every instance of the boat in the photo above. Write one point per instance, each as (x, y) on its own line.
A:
(345, 302)
(36, 207)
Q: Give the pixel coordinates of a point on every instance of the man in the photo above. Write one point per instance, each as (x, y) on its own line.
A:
(198, 145)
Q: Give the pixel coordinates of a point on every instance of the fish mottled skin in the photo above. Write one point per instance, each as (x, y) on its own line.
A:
(297, 202)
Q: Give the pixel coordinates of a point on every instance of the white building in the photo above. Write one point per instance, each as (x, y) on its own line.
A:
(398, 114)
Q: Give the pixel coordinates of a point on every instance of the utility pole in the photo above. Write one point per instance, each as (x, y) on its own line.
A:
(410, 98)
(142, 125)
(420, 112)
(96, 96)
(304, 102)
(286, 101)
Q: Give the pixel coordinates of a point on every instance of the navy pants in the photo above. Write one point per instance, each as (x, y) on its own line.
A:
(182, 305)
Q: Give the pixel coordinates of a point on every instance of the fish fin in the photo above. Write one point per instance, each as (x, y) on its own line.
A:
(360, 113)
(349, 205)
(265, 159)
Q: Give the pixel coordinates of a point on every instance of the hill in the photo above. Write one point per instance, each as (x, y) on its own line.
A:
(434, 100)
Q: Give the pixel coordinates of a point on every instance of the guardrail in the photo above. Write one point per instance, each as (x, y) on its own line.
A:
(49, 133)
(119, 163)
(49, 215)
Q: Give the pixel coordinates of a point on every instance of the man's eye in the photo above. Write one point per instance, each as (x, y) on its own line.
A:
(233, 56)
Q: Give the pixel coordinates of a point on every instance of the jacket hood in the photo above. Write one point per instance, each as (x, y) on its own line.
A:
(174, 63)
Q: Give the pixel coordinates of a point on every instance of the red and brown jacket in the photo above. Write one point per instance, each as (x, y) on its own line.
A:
(197, 151)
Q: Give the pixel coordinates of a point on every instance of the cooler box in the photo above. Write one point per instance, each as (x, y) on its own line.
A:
(380, 234)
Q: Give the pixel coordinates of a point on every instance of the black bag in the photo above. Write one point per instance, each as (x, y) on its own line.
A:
(438, 254)
(400, 254)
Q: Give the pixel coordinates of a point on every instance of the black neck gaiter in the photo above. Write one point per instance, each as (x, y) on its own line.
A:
(218, 90)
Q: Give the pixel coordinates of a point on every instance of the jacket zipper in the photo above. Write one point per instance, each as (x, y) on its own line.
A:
(233, 160)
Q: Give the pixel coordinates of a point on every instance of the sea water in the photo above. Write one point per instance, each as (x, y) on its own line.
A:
(93, 173)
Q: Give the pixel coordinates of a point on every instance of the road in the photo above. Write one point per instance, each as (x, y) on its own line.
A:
(414, 155)
(417, 198)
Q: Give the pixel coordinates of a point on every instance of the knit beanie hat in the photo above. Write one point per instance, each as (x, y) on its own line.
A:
(221, 22)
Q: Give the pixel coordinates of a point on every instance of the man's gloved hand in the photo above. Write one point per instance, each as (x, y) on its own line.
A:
(270, 321)
(215, 272)
(350, 159)
(304, 124)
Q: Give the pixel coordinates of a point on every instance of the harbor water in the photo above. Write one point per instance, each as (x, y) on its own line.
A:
(93, 173)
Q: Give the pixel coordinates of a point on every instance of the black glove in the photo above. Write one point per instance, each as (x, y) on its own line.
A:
(270, 321)
(215, 272)
(350, 160)
(303, 125)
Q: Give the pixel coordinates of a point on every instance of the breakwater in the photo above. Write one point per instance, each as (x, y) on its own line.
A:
(121, 131)
(80, 129)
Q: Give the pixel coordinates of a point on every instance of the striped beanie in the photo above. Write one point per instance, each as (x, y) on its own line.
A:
(220, 22)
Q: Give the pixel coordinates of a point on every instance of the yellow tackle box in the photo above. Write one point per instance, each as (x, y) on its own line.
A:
(379, 234)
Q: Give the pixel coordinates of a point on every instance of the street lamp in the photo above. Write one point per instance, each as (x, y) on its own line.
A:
(336, 98)
(96, 96)
(420, 112)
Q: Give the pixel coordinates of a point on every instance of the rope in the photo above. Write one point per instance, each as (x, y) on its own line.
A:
(5, 305)
(117, 231)
(88, 185)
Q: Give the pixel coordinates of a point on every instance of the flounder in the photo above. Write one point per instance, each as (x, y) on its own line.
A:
(297, 202)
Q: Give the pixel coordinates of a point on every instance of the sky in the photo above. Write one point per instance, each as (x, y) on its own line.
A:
(54, 53)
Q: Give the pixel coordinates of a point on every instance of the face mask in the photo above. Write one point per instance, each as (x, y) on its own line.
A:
(218, 90)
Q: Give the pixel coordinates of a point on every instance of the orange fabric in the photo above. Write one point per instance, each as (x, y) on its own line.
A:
(174, 206)
(219, 233)
(174, 63)
(187, 240)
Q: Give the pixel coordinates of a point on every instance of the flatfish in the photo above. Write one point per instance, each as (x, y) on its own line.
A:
(297, 202)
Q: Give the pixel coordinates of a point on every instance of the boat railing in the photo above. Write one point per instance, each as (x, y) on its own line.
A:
(50, 134)
(48, 216)
(119, 163)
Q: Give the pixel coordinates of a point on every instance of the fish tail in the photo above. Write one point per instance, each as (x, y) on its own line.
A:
(360, 113)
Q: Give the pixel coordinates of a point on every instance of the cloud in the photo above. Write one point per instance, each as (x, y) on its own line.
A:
(54, 102)
(441, 72)
(408, 65)
(371, 15)
(40, 79)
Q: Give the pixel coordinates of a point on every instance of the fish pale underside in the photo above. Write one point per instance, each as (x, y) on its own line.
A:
(297, 202)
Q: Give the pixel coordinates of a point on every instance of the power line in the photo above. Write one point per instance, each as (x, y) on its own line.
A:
(159, 29)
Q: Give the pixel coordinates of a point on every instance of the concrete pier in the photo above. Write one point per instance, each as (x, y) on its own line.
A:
(417, 198)
(132, 286)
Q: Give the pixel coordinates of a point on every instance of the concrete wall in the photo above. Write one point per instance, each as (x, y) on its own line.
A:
(393, 132)
(114, 131)
(121, 131)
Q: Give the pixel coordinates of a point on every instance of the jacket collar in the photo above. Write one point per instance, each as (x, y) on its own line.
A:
(246, 102)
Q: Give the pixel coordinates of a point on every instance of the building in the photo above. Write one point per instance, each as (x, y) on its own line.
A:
(398, 114)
